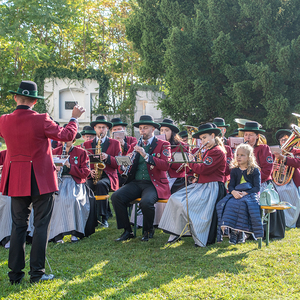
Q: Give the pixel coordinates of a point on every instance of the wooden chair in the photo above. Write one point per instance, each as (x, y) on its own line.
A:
(136, 201)
(265, 217)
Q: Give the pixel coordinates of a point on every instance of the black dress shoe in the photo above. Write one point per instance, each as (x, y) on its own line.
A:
(15, 281)
(45, 277)
(145, 237)
(104, 223)
(125, 236)
(151, 233)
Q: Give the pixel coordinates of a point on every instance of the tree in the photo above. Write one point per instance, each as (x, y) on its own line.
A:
(225, 58)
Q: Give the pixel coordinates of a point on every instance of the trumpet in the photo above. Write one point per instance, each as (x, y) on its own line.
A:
(194, 155)
(98, 167)
(125, 173)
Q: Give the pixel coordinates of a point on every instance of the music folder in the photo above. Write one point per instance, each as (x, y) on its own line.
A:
(123, 161)
(60, 160)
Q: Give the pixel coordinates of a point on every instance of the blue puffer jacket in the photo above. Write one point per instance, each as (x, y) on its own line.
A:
(240, 214)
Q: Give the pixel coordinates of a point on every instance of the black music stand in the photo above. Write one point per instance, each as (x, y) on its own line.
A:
(182, 157)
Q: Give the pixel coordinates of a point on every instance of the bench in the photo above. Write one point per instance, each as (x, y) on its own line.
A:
(136, 201)
(101, 197)
(265, 217)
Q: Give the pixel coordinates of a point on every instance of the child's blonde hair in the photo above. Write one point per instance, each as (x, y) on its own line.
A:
(252, 164)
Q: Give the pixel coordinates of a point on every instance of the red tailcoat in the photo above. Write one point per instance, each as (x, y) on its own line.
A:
(80, 170)
(112, 148)
(264, 159)
(295, 162)
(27, 135)
(213, 166)
(229, 157)
(129, 140)
(174, 167)
(159, 157)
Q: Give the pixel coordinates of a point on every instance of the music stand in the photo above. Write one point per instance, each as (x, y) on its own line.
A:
(182, 157)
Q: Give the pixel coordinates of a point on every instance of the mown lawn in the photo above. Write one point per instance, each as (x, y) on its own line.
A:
(100, 268)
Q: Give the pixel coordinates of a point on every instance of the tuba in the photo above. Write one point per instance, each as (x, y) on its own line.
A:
(283, 174)
(241, 124)
(98, 167)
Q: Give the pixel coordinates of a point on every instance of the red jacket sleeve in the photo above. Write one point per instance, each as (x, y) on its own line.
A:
(293, 162)
(80, 170)
(57, 133)
(115, 150)
(265, 160)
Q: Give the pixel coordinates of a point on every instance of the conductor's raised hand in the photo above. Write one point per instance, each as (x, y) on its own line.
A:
(77, 111)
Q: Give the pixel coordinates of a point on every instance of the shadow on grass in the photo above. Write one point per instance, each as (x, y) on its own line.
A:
(100, 267)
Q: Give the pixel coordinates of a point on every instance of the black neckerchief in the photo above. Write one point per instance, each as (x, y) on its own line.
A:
(23, 107)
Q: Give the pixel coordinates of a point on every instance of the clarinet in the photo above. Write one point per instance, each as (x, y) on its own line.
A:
(59, 174)
(125, 173)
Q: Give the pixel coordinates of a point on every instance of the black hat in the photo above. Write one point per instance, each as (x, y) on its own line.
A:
(236, 132)
(220, 122)
(282, 132)
(78, 135)
(183, 134)
(252, 127)
(101, 120)
(117, 122)
(88, 130)
(170, 124)
(146, 120)
(206, 128)
(28, 89)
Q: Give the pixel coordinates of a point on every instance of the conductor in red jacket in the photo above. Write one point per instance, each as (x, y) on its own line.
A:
(147, 179)
(29, 177)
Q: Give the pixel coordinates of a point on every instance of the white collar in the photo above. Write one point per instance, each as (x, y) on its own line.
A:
(149, 141)
(102, 140)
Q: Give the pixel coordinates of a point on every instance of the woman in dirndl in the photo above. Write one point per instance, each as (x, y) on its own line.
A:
(264, 159)
(202, 196)
(5, 213)
(289, 192)
(73, 204)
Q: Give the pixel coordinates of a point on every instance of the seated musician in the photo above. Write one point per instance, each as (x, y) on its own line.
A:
(184, 136)
(239, 209)
(220, 123)
(72, 205)
(202, 195)
(119, 125)
(289, 192)
(147, 179)
(264, 160)
(175, 174)
(88, 134)
(5, 213)
(102, 181)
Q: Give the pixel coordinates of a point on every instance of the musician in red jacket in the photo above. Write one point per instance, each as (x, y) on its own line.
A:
(147, 179)
(220, 123)
(29, 177)
(202, 195)
(264, 159)
(73, 206)
(109, 177)
(119, 125)
(289, 192)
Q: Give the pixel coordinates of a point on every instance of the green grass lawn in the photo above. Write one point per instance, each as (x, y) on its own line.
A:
(100, 268)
